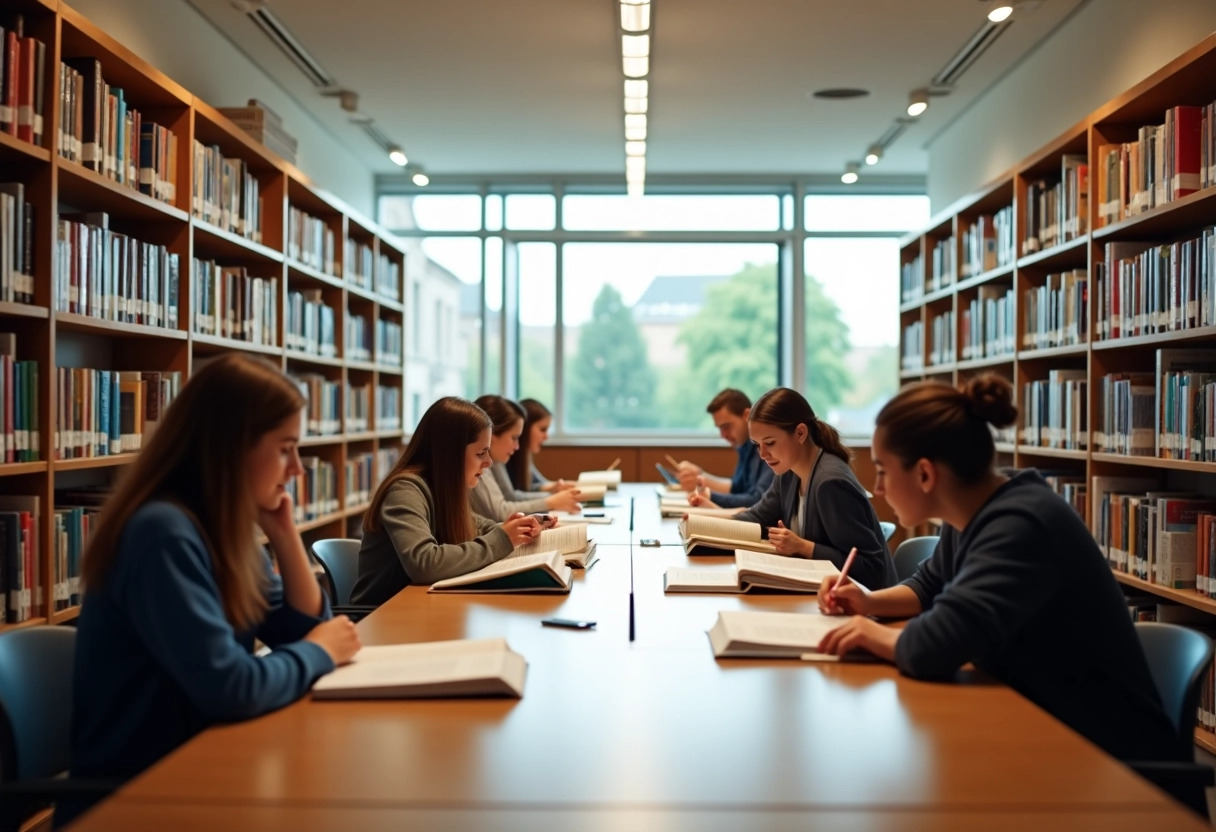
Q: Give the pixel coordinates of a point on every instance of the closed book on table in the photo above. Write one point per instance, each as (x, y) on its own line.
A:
(428, 670)
(541, 572)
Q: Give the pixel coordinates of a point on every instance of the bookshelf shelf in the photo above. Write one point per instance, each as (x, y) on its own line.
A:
(1073, 252)
(984, 277)
(312, 358)
(1182, 596)
(211, 242)
(63, 616)
(1056, 453)
(326, 439)
(365, 366)
(299, 270)
(1191, 212)
(213, 343)
(351, 511)
(981, 363)
(359, 292)
(390, 305)
(905, 375)
(13, 149)
(1053, 352)
(362, 436)
(84, 463)
(390, 434)
(939, 369)
(1005, 447)
(36, 621)
(1203, 333)
(1205, 740)
(24, 310)
(17, 469)
(84, 323)
(1156, 462)
(318, 522)
(90, 191)
(389, 369)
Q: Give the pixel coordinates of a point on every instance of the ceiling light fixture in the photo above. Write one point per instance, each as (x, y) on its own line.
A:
(1000, 13)
(850, 173)
(873, 154)
(636, 88)
(635, 128)
(635, 67)
(420, 179)
(635, 15)
(635, 105)
(397, 155)
(635, 148)
(918, 102)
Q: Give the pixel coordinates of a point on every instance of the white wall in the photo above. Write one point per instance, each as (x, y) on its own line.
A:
(1107, 47)
(173, 37)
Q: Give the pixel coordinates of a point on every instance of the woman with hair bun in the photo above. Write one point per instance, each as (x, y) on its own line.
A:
(815, 507)
(1016, 586)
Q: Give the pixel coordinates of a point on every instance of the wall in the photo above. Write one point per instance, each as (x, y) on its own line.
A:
(173, 37)
(1107, 47)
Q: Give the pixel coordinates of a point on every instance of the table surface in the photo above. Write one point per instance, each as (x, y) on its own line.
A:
(616, 732)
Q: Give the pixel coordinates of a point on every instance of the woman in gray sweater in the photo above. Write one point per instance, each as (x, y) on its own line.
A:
(419, 528)
(495, 496)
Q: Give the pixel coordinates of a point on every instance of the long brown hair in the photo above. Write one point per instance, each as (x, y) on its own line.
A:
(196, 458)
(436, 453)
(787, 409)
(519, 466)
(503, 412)
(932, 420)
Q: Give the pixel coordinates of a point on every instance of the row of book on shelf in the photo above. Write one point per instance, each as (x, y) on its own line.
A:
(230, 303)
(105, 412)
(388, 340)
(370, 270)
(16, 244)
(225, 193)
(1142, 288)
(22, 81)
(1056, 210)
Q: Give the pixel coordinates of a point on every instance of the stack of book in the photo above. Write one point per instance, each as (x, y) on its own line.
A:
(264, 125)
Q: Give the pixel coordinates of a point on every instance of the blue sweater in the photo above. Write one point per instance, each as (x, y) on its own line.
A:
(751, 479)
(1025, 594)
(157, 661)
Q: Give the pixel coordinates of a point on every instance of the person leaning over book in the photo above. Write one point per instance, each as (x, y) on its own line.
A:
(177, 589)
(815, 507)
(1016, 585)
(419, 528)
(729, 410)
(494, 496)
(523, 471)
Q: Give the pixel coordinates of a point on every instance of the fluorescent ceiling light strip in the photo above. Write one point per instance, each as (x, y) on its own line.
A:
(635, 17)
(635, 46)
(636, 88)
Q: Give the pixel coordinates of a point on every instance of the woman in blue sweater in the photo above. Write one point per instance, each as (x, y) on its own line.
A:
(177, 589)
(1016, 585)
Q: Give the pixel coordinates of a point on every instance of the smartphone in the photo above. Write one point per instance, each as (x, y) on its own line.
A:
(546, 521)
(572, 623)
(671, 478)
(650, 541)
(593, 514)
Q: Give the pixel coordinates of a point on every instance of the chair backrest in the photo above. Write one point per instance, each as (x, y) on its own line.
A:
(888, 529)
(36, 702)
(910, 554)
(339, 558)
(1178, 658)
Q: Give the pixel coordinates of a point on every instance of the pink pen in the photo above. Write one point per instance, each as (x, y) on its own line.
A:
(844, 574)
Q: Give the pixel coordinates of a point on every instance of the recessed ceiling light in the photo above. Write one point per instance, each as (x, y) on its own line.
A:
(841, 93)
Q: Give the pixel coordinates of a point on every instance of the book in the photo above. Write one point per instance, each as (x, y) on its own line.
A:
(720, 536)
(570, 541)
(776, 635)
(752, 570)
(568, 519)
(591, 494)
(463, 667)
(609, 479)
(542, 572)
(678, 507)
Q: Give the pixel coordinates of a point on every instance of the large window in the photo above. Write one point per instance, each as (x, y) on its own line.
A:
(627, 315)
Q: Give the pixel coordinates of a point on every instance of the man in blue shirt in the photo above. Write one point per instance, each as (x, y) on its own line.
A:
(729, 410)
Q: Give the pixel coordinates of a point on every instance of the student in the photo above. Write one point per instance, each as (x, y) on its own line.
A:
(495, 497)
(729, 410)
(419, 528)
(1016, 585)
(815, 507)
(524, 475)
(177, 589)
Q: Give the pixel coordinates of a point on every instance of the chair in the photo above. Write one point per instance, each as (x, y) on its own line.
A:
(339, 559)
(36, 667)
(911, 554)
(888, 529)
(1178, 659)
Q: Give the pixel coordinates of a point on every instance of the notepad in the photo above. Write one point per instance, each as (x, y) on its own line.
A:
(752, 570)
(466, 667)
(778, 635)
(719, 536)
(571, 541)
(541, 572)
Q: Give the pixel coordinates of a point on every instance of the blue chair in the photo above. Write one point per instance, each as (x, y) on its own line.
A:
(339, 559)
(35, 724)
(888, 529)
(911, 554)
(1178, 659)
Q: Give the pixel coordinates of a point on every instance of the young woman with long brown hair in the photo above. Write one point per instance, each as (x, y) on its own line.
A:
(495, 496)
(1016, 585)
(419, 528)
(815, 507)
(522, 468)
(176, 587)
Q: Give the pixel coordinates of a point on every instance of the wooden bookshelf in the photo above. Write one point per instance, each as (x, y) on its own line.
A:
(54, 337)
(1081, 245)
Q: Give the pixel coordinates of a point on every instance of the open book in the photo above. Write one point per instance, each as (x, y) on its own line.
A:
(591, 494)
(779, 635)
(677, 506)
(542, 572)
(571, 541)
(609, 479)
(753, 570)
(718, 536)
(466, 667)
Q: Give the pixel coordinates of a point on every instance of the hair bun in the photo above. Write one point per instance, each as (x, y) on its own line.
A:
(990, 397)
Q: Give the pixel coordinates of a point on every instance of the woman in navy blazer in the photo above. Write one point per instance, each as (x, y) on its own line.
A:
(815, 507)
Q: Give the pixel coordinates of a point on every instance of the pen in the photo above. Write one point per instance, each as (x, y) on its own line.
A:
(844, 574)
(615, 463)
(674, 464)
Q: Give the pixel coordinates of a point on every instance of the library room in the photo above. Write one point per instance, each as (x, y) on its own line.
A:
(607, 414)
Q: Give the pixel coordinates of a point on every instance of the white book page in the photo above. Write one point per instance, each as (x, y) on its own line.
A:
(717, 579)
(719, 527)
(435, 662)
(600, 477)
(568, 519)
(778, 629)
(799, 569)
(512, 564)
(562, 539)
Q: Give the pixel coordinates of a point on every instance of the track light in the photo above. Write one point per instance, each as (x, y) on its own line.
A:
(1001, 12)
(420, 179)
(850, 174)
(635, 15)
(397, 155)
(635, 127)
(918, 102)
(635, 148)
(873, 154)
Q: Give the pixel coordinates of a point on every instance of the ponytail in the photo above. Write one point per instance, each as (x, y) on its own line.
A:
(787, 409)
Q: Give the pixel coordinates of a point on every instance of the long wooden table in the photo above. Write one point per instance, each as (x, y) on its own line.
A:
(649, 733)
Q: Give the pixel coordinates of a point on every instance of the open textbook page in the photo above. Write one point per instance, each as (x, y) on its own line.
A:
(541, 572)
(465, 667)
(570, 540)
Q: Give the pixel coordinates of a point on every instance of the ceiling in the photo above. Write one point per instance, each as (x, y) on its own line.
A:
(471, 87)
